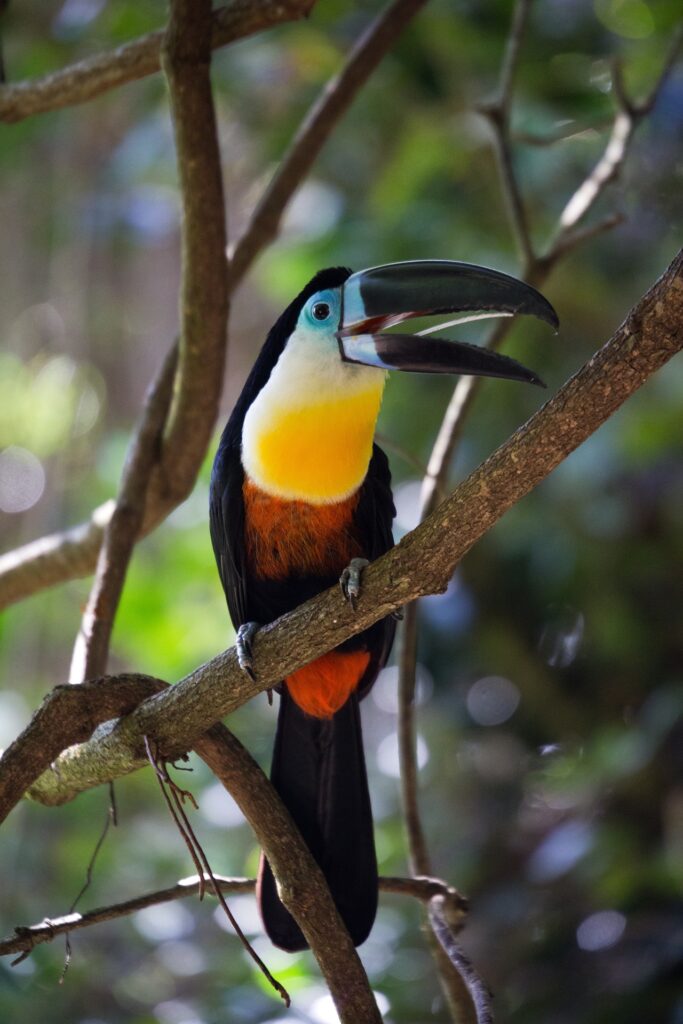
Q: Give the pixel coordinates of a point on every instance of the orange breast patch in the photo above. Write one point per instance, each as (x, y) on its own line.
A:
(286, 537)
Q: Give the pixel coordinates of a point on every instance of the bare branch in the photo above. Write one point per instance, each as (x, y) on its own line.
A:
(498, 113)
(67, 715)
(301, 883)
(73, 554)
(186, 53)
(628, 117)
(479, 994)
(42, 563)
(321, 119)
(95, 75)
(421, 563)
(26, 938)
(91, 649)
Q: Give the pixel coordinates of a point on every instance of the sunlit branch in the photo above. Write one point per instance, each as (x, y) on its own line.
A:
(88, 78)
(26, 938)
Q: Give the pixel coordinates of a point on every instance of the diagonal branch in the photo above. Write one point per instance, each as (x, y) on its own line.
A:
(91, 649)
(629, 115)
(95, 75)
(315, 129)
(421, 563)
(301, 883)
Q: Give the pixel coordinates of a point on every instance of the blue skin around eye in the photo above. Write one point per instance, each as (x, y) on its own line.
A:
(331, 298)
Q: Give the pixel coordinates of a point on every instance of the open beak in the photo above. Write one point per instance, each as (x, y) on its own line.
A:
(375, 299)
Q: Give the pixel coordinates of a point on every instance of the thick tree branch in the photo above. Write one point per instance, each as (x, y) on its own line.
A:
(421, 563)
(95, 75)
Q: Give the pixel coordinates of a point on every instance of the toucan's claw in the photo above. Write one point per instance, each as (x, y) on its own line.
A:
(243, 643)
(350, 582)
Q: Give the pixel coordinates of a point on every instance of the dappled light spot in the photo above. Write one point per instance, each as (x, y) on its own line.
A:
(14, 716)
(492, 700)
(245, 912)
(165, 921)
(385, 690)
(387, 755)
(175, 1011)
(600, 930)
(407, 502)
(323, 1010)
(560, 851)
(22, 479)
(181, 958)
(562, 636)
(314, 210)
(218, 807)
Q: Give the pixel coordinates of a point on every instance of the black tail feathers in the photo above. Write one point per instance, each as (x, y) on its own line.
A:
(319, 771)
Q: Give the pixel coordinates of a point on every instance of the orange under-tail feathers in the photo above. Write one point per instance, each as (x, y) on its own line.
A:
(324, 686)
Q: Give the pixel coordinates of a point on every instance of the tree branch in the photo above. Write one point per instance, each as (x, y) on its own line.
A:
(73, 553)
(91, 649)
(498, 113)
(185, 58)
(629, 115)
(26, 938)
(301, 883)
(479, 994)
(316, 127)
(95, 75)
(421, 563)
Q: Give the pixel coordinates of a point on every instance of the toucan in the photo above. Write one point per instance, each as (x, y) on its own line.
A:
(300, 498)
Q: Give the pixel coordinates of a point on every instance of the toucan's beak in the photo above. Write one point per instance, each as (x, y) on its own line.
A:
(384, 296)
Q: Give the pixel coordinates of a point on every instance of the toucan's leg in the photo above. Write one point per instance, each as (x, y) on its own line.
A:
(245, 635)
(349, 581)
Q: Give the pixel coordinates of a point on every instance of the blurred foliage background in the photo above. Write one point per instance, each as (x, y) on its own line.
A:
(551, 697)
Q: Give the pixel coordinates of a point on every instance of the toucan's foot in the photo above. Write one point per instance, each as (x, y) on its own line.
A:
(245, 635)
(349, 581)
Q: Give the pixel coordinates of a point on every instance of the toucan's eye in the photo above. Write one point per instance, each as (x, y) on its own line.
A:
(321, 311)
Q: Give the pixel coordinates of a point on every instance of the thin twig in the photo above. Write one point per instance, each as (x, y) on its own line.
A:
(481, 997)
(80, 82)
(629, 115)
(26, 938)
(175, 798)
(317, 125)
(497, 111)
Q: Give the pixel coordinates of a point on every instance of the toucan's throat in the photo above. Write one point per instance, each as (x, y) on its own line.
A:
(318, 451)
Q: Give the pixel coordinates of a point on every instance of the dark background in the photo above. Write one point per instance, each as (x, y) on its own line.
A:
(550, 720)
